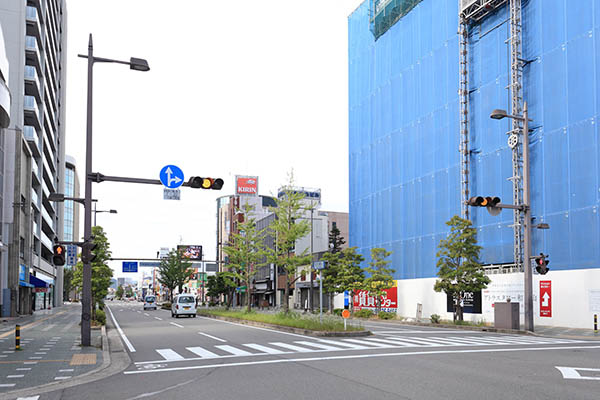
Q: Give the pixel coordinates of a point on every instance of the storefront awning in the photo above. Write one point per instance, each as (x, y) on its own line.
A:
(36, 282)
(25, 284)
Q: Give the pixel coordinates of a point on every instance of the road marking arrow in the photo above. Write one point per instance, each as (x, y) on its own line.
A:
(571, 373)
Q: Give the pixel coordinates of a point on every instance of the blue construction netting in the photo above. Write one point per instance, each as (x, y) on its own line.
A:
(404, 132)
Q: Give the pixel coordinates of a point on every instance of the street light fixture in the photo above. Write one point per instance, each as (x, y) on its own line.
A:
(136, 64)
(102, 211)
(526, 210)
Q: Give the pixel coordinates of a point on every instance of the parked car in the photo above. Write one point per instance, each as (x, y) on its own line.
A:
(150, 302)
(183, 304)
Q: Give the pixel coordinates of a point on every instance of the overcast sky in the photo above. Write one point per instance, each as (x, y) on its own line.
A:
(235, 88)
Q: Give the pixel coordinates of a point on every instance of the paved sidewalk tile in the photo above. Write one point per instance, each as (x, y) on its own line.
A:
(50, 349)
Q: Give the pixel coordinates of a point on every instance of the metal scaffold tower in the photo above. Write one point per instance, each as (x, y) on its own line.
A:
(472, 12)
(463, 95)
(515, 134)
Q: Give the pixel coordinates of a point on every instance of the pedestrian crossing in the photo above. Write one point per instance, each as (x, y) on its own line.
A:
(347, 344)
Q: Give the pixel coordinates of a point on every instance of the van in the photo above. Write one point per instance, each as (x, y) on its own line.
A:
(150, 303)
(183, 304)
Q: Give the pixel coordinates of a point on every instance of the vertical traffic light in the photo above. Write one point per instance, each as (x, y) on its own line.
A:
(87, 255)
(198, 182)
(58, 258)
(541, 264)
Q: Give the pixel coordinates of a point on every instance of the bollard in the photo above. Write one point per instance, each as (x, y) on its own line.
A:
(18, 337)
(595, 323)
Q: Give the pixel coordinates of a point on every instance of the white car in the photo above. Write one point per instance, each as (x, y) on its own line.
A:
(150, 303)
(183, 304)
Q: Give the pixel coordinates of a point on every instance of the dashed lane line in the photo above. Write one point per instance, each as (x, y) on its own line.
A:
(212, 337)
(176, 324)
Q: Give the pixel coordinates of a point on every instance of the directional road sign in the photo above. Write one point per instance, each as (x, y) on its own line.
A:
(171, 176)
(130, 266)
(71, 254)
(319, 265)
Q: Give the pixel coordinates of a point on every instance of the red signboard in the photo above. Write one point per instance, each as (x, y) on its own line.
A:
(246, 185)
(389, 301)
(546, 299)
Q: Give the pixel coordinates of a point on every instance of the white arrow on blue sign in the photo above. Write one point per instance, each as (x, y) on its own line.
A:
(171, 176)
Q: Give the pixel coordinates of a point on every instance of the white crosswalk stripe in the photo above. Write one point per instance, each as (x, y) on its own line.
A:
(347, 344)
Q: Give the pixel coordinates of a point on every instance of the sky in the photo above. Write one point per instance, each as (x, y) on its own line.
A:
(235, 88)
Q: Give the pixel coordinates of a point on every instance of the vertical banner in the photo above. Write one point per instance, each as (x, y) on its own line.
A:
(389, 300)
(546, 299)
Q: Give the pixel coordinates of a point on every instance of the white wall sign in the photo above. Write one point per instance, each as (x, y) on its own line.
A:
(594, 300)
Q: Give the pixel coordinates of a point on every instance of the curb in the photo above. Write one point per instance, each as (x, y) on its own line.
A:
(290, 329)
(114, 360)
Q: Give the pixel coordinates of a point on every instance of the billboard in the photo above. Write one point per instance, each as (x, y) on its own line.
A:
(389, 301)
(471, 302)
(246, 185)
(191, 251)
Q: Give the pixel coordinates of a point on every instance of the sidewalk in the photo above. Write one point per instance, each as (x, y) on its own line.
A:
(50, 349)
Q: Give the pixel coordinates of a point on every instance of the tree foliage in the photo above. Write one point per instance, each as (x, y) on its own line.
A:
(67, 282)
(219, 285)
(101, 272)
(350, 275)
(459, 270)
(380, 275)
(245, 251)
(174, 271)
(119, 293)
(288, 228)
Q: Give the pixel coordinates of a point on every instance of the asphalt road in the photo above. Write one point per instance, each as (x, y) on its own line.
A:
(190, 358)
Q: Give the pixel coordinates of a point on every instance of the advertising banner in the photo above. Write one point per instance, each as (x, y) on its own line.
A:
(471, 303)
(191, 251)
(246, 185)
(546, 299)
(389, 301)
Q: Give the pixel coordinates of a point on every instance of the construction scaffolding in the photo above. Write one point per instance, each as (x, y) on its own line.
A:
(385, 13)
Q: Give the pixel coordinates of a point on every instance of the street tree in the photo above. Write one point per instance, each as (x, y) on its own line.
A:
(380, 275)
(288, 227)
(350, 277)
(459, 270)
(119, 293)
(332, 257)
(174, 271)
(245, 250)
(67, 282)
(219, 285)
(101, 272)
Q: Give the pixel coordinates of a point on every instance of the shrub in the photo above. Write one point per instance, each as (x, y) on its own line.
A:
(386, 315)
(435, 318)
(100, 317)
(166, 306)
(338, 311)
(364, 313)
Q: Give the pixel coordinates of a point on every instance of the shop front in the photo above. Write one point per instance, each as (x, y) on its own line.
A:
(42, 293)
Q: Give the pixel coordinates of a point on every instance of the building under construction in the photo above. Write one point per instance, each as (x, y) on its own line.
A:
(424, 78)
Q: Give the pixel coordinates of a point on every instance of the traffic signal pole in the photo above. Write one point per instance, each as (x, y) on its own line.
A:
(527, 270)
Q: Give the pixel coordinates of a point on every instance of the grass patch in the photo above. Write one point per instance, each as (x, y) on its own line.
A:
(291, 319)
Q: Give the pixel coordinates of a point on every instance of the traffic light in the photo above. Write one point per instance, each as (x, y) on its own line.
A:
(88, 248)
(541, 264)
(58, 258)
(205, 183)
(480, 201)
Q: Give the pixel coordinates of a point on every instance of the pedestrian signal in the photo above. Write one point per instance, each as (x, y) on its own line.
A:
(58, 258)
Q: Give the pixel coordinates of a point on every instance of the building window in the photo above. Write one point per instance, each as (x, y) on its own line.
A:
(22, 248)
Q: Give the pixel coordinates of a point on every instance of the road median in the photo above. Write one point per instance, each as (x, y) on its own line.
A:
(291, 322)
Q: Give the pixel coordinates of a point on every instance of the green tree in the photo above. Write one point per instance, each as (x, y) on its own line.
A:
(351, 277)
(119, 293)
(458, 266)
(219, 285)
(245, 251)
(288, 228)
(101, 272)
(67, 282)
(174, 271)
(380, 275)
(331, 272)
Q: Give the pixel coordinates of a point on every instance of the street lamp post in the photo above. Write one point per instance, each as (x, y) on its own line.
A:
(136, 64)
(102, 211)
(526, 209)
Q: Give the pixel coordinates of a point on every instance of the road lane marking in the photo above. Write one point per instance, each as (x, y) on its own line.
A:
(319, 345)
(14, 376)
(292, 347)
(357, 356)
(212, 337)
(7, 385)
(66, 370)
(362, 342)
(146, 314)
(199, 351)
(46, 329)
(256, 327)
(60, 378)
(176, 324)
(342, 344)
(169, 354)
(264, 349)
(28, 398)
(160, 319)
(571, 373)
(127, 342)
(23, 369)
(233, 350)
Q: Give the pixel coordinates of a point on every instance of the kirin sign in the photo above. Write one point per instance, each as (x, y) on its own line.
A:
(389, 300)
(246, 185)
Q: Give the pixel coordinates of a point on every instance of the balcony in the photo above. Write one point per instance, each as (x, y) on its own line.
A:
(33, 55)
(32, 136)
(35, 200)
(32, 83)
(32, 111)
(46, 241)
(34, 28)
(35, 171)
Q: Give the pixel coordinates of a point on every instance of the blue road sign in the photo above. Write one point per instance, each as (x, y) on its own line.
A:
(130, 266)
(171, 176)
(149, 264)
(71, 254)
(319, 265)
